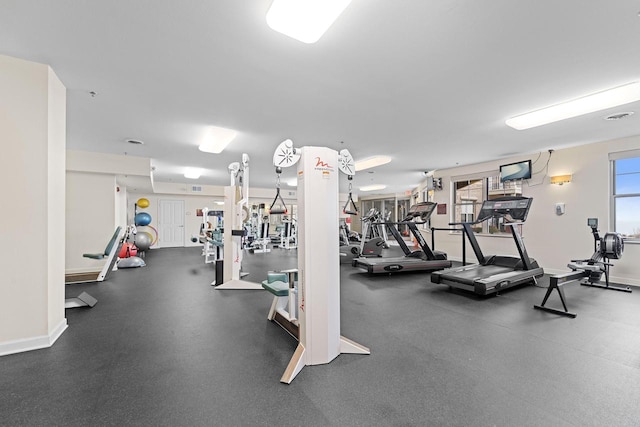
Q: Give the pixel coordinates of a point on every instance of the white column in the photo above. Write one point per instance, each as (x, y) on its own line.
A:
(318, 264)
(32, 128)
(318, 254)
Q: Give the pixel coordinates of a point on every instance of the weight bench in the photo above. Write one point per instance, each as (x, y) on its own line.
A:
(110, 255)
(284, 306)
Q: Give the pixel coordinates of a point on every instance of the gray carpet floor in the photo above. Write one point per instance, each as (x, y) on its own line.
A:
(164, 348)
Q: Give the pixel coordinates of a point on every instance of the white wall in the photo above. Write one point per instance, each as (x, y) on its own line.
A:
(121, 206)
(57, 135)
(551, 239)
(86, 161)
(90, 220)
(32, 128)
(95, 204)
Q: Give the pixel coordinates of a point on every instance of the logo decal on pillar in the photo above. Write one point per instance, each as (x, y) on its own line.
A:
(323, 167)
(320, 163)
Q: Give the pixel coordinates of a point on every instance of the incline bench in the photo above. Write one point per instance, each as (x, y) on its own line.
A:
(110, 254)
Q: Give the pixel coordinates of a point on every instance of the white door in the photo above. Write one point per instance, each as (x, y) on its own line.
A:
(171, 223)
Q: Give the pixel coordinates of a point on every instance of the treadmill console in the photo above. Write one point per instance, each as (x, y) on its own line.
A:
(422, 210)
(512, 209)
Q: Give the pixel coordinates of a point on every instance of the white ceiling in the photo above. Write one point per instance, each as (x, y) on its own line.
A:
(428, 83)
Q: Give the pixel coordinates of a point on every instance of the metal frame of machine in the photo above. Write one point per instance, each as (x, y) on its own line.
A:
(496, 272)
(420, 260)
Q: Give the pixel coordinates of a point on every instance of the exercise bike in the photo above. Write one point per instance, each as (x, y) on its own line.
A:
(348, 250)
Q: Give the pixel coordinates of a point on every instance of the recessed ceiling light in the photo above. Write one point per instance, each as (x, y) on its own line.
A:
(372, 162)
(192, 173)
(587, 104)
(619, 116)
(216, 139)
(135, 142)
(304, 20)
(373, 187)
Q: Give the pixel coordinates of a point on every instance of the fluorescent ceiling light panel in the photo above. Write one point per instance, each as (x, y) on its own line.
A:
(588, 104)
(373, 187)
(192, 173)
(372, 162)
(304, 20)
(216, 139)
(293, 182)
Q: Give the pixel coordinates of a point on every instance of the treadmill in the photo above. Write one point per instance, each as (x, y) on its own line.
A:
(418, 260)
(495, 272)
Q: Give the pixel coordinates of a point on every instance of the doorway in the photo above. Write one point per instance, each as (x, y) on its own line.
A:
(171, 223)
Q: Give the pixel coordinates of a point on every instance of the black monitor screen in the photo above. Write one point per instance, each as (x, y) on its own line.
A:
(513, 209)
(518, 170)
(422, 210)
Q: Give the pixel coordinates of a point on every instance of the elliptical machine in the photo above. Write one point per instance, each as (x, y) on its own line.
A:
(348, 250)
(372, 242)
(588, 271)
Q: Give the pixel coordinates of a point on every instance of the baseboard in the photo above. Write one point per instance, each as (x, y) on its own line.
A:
(81, 277)
(57, 331)
(83, 270)
(35, 343)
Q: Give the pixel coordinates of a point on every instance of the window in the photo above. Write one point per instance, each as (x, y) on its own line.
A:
(625, 198)
(387, 210)
(469, 193)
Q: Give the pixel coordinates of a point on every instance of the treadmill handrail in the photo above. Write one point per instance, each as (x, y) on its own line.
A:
(482, 220)
(399, 222)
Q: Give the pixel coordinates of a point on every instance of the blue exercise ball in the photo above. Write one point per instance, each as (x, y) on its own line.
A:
(142, 241)
(142, 218)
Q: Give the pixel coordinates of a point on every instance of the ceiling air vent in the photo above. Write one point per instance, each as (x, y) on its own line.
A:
(618, 116)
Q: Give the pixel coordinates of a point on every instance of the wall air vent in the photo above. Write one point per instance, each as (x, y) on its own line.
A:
(196, 188)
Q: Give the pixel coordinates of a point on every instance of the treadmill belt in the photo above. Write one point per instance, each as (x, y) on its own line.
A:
(470, 274)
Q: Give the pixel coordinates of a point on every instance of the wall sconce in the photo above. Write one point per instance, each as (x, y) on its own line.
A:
(560, 179)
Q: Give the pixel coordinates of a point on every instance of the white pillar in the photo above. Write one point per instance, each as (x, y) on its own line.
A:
(32, 165)
(318, 254)
(318, 264)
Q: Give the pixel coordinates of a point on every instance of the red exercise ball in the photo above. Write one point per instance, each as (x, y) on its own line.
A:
(128, 249)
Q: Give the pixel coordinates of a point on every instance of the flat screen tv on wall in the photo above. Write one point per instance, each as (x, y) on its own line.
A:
(513, 171)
